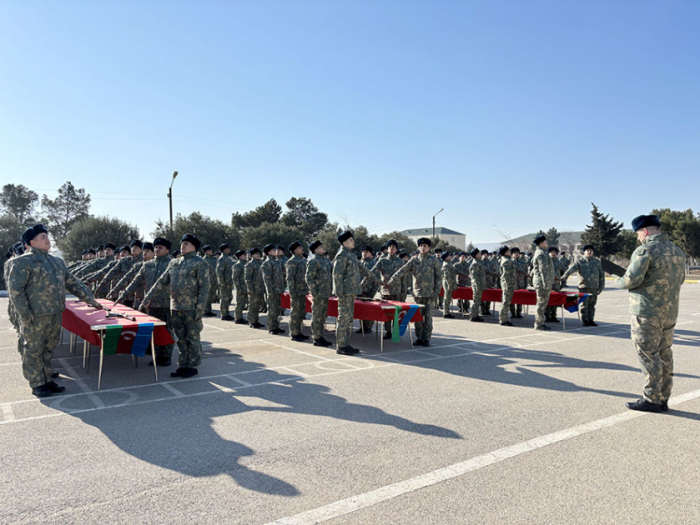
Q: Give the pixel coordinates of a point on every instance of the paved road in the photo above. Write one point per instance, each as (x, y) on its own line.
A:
(488, 425)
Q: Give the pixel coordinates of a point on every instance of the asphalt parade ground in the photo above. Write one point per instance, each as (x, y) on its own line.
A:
(488, 425)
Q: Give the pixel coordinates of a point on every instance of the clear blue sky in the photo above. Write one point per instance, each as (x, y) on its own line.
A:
(511, 115)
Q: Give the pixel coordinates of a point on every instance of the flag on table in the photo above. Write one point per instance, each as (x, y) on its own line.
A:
(401, 320)
(127, 339)
(573, 300)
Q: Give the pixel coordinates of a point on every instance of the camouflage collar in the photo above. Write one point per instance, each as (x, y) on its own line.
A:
(657, 237)
(38, 251)
(189, 255)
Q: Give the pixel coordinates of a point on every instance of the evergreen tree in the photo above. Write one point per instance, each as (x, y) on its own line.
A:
(603, 233)
(70, 206)
(552, 237)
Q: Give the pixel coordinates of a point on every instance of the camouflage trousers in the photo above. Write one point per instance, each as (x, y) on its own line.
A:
(588, 304)
(256, 301)
(210, 299)
(476, 304)
(40, 338)
(541, 306)
(652, 338)
(424, 329)
(319, 314)
(346, 315)
(516, 309)
(551, 311)
(464, 305)
(274, 310)
(241, 299)
(387, 326)
(164, 315)
(14, 319)
(505, 305)
(188, 326)
(297, 314)
(448, 300)
(226, 296)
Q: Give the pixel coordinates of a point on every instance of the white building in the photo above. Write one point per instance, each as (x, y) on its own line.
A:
(450, 236)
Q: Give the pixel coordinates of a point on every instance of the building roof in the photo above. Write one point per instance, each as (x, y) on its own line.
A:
(429, 231)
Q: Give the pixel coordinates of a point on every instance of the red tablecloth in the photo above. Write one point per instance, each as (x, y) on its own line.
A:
(524, 297)
(79, 318)
(381, 311)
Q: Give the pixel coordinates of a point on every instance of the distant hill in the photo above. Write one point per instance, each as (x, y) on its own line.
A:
(568, 241)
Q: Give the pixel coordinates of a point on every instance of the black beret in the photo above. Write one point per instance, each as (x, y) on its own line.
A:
(92, 251)
(110, 245)
(424, 240)
(563, 253)
(484, 252)
(445, 255)
(18, 248)
(438, 250)
(188, 237)
(587, 247)
(204, 248)
(253, 250)
(222, 247)
(239, 253)
(474, 252)
(384, 246)
(176, 253)
(125, 248)
(101, 247)
(147, 246)
(367, 249)
(515, 250)
(268, 248)
(136, 242)
(503, 250)
(344, 236)
(32, 232)
(553, 249)
(160, 241)
(217, 253)
(402, 253)
(314, 245)
(84, 252)
(280, 247)
(392, 241)
(539, 239)
(294, 246)
(644, 221)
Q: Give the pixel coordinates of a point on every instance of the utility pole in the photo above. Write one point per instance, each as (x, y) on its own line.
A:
(438, 213)
(170, 199)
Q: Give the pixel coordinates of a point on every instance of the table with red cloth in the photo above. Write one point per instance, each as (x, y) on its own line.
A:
(91, 325)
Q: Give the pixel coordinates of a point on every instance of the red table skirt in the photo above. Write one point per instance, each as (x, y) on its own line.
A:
(381, 311)
(524, 297)
(79, 318)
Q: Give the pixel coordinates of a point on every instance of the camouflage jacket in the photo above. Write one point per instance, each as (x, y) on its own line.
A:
(296, 275)
(211, 262)
(462, 269)
(508, 278)
(189, 282)
(449, 276)
(369, 288)
(273, 276)
(37, 285)
(590, 270)
(427, 275)
(253, 277)
(92, 272)
(123, 267)
(542, 270)
(565, 262)
(239, 277)
(224, 270)
(654, 278)
(477, 275)
(521, 273)
(346, 273)
(126, 280)
(149, 272)
(93, 266)
(96, 277)
(319, 275)
(385, 268)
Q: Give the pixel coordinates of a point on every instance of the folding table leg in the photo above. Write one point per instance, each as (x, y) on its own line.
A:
(153, 355)
(410, 334)
(563, 317)
(135, 360)
(85, 353)
(102, 356)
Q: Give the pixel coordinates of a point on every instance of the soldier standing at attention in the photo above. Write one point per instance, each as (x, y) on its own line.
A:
(239, 283)
(387, 266)
(319, 277)
(37, 285)
(591, 281)
(346, 286)
(135, 298)
(508, 281)
(296, 280)
(406, 281)
(438, 256)
(550, 313)
(369, 288)
(224, 276)
(565, 263)
(209, 258)
(542, 279)
(516, 310)
(148, 274)
(122, 268)
(255, 286)
(654, 278)
(449, 283)
(477, 275)
(427, 280)
(273, 278)
(189, 283)
(462, 269)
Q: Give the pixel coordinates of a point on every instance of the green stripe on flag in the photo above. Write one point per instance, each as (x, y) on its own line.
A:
(395, 335)
(111, 339)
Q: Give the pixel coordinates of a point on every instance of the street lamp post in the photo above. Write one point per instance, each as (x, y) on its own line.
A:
(438, 213)
(170, 199)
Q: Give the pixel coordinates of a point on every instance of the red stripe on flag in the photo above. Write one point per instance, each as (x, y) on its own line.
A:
(126, 339)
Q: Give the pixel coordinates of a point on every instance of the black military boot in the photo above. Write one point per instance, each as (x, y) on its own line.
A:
(241, 321)
(664, 406)
(645, 406)
(322, 342)
(477, 320)
(178, 373)
(227, 317)
(276, 331)
(41, 391)
(507, 323)
(55, 388)
(345, 350)
(209, 314)
(189, 372)
(257, 325)
(544, 327)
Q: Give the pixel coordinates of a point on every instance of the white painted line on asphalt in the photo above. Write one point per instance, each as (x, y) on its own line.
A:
(394, 490)
(7, 412)
(81, 384)
(172, 389)
(214, 327)
(239, 381)
(296, 350)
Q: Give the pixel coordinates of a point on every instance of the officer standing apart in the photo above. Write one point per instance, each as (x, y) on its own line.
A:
(190, 283)
(508, 282)
(224, 276)
(654, 278)
(319, 277)
(296, 281)
(37, 286)
(591, 281)
(542, 279)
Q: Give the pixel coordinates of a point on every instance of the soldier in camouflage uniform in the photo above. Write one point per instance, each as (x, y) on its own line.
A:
(385, 268)
(296, 280)
(37, 285)
(239, 283)
(148, 254)
(369, 288)
(147, 275)
(550, 313)
(406, 281)
(255, 286)
(449, 283)
(13, 253)
(491, 271)
(542, 279)
(477, 275)
(105, 254)
(102, 286)
(319, 278)
(224, 277)
(463, 279)
(346, 286)
(438, 255)
(189, 283)
(654, 278)
(508, 282)
(273, 277)
(591, 281)
(427, 280)
(209, 258)
(565, 263)
(516, 310)
(122, 268)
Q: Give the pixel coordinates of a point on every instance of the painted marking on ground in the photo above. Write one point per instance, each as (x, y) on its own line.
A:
(81, 384)
(7, 412)
(171, 388)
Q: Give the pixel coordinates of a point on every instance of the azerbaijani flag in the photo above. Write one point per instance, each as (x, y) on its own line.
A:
(127, 339)
(572, 301)
(401, 320)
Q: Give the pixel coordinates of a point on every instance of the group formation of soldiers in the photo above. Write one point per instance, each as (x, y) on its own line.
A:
(179, 289)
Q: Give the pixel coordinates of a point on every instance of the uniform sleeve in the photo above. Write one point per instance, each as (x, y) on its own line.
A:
(16, 285)
(267, 275)
(124, 281)
(290, 272)
(570, 270)
(311, 272)
(162, 282)
(369, 275)
(204, 278)
(634, 276)
(601, 279)
(400, 272)
(137, 281)
(338, 273)
(78, 288)
(248, 277)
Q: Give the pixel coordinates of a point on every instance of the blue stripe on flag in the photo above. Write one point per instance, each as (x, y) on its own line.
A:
(142, 339)
(407, 318)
